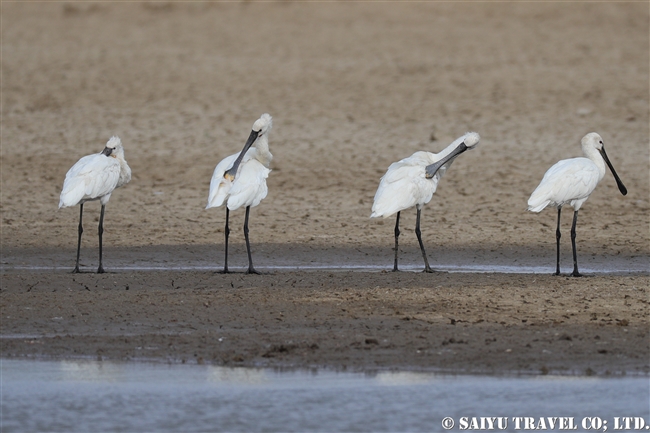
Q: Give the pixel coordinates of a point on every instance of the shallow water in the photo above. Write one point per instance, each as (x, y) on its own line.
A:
(291, 258)
(82, 396)
(499, 269)
(341, 267)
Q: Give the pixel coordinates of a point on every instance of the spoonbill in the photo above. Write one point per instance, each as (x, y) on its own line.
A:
(95, 177)
(412, 182)
(241, 180)
(571, 181)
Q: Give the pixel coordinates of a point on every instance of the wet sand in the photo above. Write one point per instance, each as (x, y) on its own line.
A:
(492, 323)
(352, 88)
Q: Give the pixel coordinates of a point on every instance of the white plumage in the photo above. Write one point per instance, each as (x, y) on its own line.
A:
(412, 182)
(249, 186)
(95, 177)
(571, 181)
(404, 185)
(239, 180)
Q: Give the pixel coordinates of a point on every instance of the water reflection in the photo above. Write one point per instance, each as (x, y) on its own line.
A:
(236, 376)
(82, 396)
(403, 378)
(90, 371)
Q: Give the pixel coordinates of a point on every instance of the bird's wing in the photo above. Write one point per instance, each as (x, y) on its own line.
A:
(92, 177)
(567, 180)
(220, 187)
(249, 187)
(403, 186)
(406, 168)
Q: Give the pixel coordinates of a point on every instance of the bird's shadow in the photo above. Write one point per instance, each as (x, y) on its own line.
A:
(89, 272)
(242, 273)
(570, 275)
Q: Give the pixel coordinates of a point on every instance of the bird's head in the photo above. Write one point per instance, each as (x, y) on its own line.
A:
(260, 127)
(263, 124)
(592, 140)
(460, 145)
(471, 139)
(595, 141)
(113, 147)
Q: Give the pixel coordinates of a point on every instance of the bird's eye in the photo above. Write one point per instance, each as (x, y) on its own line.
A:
(601, 141)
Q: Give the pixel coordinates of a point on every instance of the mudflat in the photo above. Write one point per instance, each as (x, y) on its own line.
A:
(492, 323)
(351, 88)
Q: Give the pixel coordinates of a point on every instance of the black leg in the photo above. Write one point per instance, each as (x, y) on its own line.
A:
(81, 230)
(418, 233)
(226, 233)
(100, 230)
(573, 245)
(251, 269)
(558, 235)
(396, 243)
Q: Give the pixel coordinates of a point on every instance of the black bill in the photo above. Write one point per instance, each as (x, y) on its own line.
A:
(230, 174)
(432, 169)
(621, 187)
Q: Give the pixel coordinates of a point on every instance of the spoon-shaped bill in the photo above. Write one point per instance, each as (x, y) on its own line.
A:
(621, 187)
(432, 169)
(230, 174)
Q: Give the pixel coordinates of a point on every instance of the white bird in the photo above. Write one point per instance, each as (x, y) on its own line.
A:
(412, 182)
(240, 179)
(95, 177)
(571, 181)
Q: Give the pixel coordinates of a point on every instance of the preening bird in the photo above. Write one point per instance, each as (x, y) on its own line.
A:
(240, 180)
(95, 177)
(571, 181)
(412, 182)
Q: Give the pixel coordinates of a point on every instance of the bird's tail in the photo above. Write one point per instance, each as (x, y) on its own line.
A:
(382, 212)
(537, 203)
(219, 190)
(73, 192)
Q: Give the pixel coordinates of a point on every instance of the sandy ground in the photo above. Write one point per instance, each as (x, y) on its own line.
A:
(352, 87)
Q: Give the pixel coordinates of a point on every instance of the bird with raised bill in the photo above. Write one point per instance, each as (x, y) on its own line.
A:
(240, 180)
(95, 177)
(412, 182)
(571, 181)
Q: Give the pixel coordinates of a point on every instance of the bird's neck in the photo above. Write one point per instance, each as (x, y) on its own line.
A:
(444, 153)
(595, 156)
(447, 150)
(125, 171)
(263, 154)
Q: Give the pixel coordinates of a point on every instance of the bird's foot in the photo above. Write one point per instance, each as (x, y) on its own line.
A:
(224, 271)
(428, 270)
(575, 273)
(101, 270)
(395, 270)
(556, 273)
(76, 270)
(251, 270)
